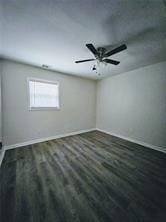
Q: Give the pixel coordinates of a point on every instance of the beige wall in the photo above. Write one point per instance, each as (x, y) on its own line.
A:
(133, 104)
(77, 112)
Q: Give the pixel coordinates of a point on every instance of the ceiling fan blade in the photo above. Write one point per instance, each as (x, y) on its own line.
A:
(92, 48)
(86, 60)
(114, 62)
(116, 50)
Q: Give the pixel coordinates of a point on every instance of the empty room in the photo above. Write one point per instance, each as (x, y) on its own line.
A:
(83, 111)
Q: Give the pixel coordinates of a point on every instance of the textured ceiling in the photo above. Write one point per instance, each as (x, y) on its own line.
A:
(54, 32)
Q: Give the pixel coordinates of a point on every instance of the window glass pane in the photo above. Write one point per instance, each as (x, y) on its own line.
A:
(43, 94)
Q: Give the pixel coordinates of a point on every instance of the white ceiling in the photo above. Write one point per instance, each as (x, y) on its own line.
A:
(54, 32)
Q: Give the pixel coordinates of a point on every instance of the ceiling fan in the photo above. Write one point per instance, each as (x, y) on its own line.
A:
(101, 54)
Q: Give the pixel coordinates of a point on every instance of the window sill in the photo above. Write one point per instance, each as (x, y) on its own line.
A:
(44, 109)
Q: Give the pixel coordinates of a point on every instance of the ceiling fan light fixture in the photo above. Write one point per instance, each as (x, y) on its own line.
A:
(94, 68)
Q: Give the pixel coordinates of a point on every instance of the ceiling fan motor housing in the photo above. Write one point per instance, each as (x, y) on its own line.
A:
(101, 52)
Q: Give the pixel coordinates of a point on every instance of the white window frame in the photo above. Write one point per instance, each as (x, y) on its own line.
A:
(44, 81)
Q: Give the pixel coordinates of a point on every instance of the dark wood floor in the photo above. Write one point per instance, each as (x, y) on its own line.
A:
(83, 178)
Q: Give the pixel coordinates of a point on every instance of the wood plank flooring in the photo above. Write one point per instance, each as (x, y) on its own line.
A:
(90, 177)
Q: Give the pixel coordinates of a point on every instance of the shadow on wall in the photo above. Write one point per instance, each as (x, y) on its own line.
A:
(0, 112)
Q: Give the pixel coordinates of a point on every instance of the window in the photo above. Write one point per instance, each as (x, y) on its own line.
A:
(43, 94)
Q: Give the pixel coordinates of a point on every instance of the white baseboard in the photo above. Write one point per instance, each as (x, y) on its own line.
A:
(134, 141)
(30, 142)
(2, 154)
(13, 146)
